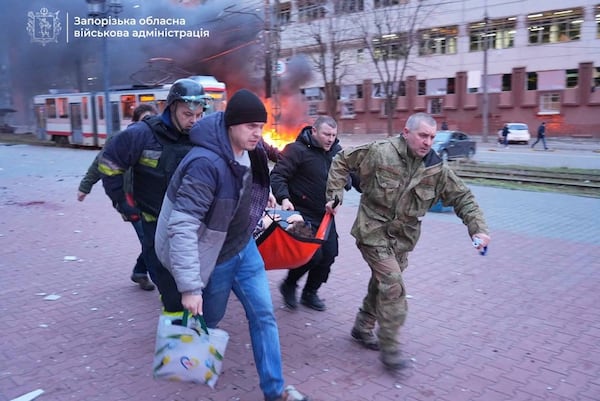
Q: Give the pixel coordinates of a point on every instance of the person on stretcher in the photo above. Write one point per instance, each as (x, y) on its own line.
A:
(294, 224)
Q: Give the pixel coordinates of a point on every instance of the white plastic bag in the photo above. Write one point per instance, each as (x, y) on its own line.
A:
(187, 351)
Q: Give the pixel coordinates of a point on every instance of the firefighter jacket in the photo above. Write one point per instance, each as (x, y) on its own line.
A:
(398, 188)
(93, 175)
(152, 148)
(301, 174)
(208, 195)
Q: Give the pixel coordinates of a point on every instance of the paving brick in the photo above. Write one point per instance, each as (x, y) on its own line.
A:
(511, 324)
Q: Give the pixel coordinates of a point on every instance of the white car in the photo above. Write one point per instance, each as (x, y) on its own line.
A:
(517, 132)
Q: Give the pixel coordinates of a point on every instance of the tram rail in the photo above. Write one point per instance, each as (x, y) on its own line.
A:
(585, 182)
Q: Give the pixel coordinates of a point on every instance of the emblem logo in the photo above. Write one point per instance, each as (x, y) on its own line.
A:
(43, 27)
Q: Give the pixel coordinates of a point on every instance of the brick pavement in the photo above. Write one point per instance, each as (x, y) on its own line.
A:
(519, 324)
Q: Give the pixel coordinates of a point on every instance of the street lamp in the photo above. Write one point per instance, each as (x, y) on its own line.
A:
(103, 9)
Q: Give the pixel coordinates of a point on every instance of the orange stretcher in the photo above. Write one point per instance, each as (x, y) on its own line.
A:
(281, 249)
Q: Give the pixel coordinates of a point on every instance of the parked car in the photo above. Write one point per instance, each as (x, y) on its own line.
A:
(517, 132)
(453, 145)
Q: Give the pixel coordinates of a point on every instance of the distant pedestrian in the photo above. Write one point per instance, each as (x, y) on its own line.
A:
(541, 136)
(505, 132)
(140, 271)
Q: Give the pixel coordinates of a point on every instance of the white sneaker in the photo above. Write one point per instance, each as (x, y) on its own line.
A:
(291, 394)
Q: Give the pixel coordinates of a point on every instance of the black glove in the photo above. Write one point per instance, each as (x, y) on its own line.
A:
(128, 210)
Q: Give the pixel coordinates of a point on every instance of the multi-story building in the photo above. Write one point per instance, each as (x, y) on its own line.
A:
(522, 60)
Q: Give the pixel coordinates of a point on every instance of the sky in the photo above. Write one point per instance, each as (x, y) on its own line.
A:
(233, 52)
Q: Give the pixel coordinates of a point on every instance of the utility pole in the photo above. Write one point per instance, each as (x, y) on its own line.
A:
(272, 45)
(485, 105)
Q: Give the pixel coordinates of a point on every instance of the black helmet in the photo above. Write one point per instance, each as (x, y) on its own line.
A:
(188, 91)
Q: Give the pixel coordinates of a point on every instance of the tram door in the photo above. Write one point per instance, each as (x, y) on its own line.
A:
(41, 120)
(76, 124)
(116, 118)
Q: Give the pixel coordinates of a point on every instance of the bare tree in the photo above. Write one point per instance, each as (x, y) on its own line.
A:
(329, 37)
(390, 36)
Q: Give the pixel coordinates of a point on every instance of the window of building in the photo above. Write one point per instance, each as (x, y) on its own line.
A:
(313, 93)
(550, 103)
(421, 87)
(51, 108)
(284, 13)
(555, 26)
(572, 78)
(349, 92)
(360, 55)
(451, 86)
(349, 6)
(313, 110)
(310, 10)
(596, 77)
(389, 47)
(386, 3)
(438, 40)
(506, 82)
(598, 22)
(402, 88)
(500, 34)
(434, 105)
(551, 80)
(473, 81)
(436, 86)
(348, 109)
(378, 91)
(532, 81)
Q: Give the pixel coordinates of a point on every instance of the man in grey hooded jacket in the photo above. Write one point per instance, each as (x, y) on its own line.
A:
(204, 234)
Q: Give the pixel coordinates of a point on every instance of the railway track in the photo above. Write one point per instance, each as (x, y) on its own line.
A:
(583, 183)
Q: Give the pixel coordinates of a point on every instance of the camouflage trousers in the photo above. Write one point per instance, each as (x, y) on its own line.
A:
(385, 302)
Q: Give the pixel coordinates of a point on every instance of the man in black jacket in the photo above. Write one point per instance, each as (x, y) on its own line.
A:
(298, 182)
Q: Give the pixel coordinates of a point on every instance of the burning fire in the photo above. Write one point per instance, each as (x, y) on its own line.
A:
(281, 137)
(286, 130)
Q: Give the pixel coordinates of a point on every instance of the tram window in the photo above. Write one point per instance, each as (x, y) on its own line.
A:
(51, 107)
(127, 106)
(84, 105)
(100, 107)
(146, 98)
(62, 105)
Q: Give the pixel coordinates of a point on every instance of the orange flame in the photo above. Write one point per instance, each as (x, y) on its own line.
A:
(286, 130)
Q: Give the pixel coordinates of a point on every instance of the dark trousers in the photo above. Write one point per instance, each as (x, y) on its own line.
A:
(540, 138)
(319, 266)
(170, 296)
(140, 269)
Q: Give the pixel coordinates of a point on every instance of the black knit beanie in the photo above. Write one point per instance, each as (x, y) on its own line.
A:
(244, 107)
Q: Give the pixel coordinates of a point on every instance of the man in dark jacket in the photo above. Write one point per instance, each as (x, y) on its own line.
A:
(541, 136)
(204, 235)
(153, 148)
(92, 176)
(298, 181)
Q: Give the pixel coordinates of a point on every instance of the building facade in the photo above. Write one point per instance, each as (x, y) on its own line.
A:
(524, 61)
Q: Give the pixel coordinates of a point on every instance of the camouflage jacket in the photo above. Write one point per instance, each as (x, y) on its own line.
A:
(397, 191)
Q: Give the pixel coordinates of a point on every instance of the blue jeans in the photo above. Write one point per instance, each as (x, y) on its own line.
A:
(245, 274)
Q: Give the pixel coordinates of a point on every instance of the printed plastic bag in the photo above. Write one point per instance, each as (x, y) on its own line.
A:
(186, 350)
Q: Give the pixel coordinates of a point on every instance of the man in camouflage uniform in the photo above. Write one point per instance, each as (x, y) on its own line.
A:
(400, 179)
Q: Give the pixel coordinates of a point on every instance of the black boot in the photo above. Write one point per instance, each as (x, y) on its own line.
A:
(289, 295)
(312, 300)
